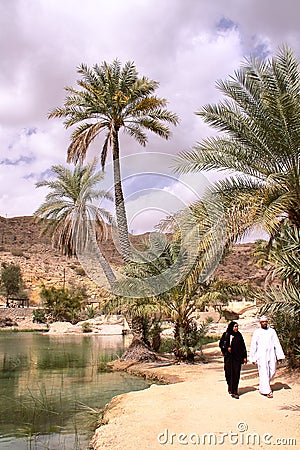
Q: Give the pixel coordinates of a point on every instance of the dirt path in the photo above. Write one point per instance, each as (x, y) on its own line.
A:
(198, 412)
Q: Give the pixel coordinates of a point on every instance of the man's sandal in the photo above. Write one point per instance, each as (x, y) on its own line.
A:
(270, 395)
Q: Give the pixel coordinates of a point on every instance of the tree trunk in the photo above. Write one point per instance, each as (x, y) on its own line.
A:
(119, 199)
(294, 217)
(90, 255)
(138, 325)
(138, 351)
(182, 349)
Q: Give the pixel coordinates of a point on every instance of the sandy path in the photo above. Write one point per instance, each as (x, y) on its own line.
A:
(156, 417)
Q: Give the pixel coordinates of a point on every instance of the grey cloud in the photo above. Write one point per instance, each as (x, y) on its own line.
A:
(226, 24)
(30, 131)
(39, 176)
(21, 160)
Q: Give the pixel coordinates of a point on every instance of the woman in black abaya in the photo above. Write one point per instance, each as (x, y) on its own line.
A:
(235, 354)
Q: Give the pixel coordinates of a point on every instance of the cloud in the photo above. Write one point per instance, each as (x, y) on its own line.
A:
(186, 46)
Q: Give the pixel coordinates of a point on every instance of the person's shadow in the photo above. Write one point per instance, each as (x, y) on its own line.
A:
(275, 387)
(278, 386)
(246, 389)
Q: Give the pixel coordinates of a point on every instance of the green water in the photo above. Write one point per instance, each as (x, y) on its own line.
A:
(51, 388)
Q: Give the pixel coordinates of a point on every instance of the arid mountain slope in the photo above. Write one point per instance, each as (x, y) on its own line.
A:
(21, 243)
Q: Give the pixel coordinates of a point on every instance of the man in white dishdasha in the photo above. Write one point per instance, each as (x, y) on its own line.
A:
(265, 350)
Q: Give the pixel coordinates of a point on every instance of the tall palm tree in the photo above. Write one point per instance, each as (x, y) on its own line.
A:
(111, 98)
(68, 212)
(260, 145)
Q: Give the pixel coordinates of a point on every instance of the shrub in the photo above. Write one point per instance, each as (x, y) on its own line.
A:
(39, 316)
(154, 335)
(90, 312)
(17, 252)
(80, 271)
(86, 327)
(287, 327)
(11, 279)
(63, 304)
(167, 345)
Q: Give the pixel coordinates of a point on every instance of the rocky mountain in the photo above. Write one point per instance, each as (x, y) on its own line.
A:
(21, 243)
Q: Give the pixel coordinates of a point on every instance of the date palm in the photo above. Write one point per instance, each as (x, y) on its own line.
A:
(148, 289)
(260, 145)
(68, 212)
(283, 304)
(111, 98)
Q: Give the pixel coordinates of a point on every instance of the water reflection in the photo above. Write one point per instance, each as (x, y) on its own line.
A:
(51, 387)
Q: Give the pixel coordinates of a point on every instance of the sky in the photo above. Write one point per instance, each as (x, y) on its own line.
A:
(185, 45)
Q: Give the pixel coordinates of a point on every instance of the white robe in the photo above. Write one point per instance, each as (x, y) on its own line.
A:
(265, 350)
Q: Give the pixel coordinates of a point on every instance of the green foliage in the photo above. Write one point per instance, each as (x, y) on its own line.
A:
(286, 255)
(11, 280)
(260, 252)
(167, 345)
(90, 312)
(259, 142)
(104, 360)
(68, 209)
(110, 98)
(287, 327)
(154, 335)
(86, 327)
(209, 320)
(188, 338)
(283, 304)
(216, 290)
(178, 303)
(39, 316)
(138, 312)
(259, 122)
(63, 304)
(70, 216)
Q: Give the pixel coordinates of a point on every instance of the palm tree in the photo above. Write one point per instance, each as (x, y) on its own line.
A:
(260, 145)
(148, 290)
(69, 215)
(284, 304)
(111, 98)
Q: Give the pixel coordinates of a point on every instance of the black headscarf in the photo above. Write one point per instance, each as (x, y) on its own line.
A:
(230, 328)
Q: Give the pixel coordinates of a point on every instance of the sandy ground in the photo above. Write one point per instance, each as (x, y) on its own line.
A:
(196, 411)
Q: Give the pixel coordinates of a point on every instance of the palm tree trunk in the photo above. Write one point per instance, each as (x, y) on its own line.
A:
(136, 326)
(108, 272)
(90, 255)
(119, 199)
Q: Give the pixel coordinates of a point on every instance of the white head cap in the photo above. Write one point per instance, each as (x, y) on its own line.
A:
(263, 319)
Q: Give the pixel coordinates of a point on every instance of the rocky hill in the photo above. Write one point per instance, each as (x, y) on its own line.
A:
(21, 243)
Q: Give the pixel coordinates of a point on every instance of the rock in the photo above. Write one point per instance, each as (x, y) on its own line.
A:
(7, 322)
